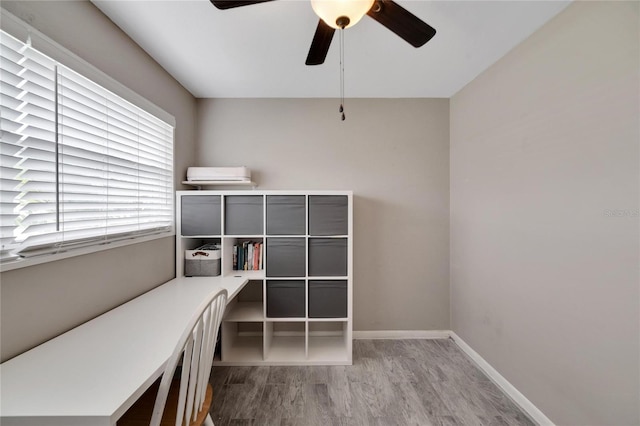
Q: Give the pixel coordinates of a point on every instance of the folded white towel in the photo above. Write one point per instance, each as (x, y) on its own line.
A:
(218, 173)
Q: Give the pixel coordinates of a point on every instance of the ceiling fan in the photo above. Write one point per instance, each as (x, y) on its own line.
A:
(341, 14)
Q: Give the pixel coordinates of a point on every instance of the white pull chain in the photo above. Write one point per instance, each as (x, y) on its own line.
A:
(341, 110)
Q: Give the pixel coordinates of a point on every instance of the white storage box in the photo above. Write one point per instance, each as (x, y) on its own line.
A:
(202, 262)
(198, 174)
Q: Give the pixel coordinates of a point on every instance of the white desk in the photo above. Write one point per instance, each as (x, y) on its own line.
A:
(92, 374)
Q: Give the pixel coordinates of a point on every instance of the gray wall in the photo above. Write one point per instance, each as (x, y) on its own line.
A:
(394, 155)
(544, 215)
(40, 302)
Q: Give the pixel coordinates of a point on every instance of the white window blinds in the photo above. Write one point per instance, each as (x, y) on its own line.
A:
(80, 165)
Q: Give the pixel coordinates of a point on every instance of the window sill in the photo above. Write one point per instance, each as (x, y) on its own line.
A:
(37, 260)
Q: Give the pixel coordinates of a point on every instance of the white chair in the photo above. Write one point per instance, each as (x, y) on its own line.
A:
(186, 401)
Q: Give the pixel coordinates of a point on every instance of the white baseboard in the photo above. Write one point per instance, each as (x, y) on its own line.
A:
(402, 334)
(526, 405)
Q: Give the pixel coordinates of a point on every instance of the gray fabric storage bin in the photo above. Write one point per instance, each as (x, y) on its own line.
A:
(204, 268)
(327, 257)
(285, 257)
(285, 299)
(243, 215)
(328, 215)
(201, 268)
(200, 215)
(328, 299)
(203, 261)
(286, 215)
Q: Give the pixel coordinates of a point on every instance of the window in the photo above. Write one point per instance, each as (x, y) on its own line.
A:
(79, 164)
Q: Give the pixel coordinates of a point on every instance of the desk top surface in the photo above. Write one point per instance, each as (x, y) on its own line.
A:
(93, 373)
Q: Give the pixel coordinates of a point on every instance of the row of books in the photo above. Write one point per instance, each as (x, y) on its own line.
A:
(247, 256)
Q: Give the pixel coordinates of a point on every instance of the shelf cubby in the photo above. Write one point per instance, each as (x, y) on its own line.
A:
(328, 257)
(243, 214)
(285, 215)
(284, 342)
(248, 305)
(200, 215)
(242, 342)
(228, 244)
(245, 312)
(285, 257)
(328, 341)
(328, 215)
(327, 299)
(285, 299)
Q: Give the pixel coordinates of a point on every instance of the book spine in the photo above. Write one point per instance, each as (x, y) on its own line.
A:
(245, 253)
(235, 257)
(256, 252)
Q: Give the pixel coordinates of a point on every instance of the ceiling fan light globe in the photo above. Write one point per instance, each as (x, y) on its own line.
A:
(330, 10)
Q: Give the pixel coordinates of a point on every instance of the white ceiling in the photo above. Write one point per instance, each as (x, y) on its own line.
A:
(259, 51)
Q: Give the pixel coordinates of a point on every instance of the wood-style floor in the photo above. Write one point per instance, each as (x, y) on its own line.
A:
(391, 382)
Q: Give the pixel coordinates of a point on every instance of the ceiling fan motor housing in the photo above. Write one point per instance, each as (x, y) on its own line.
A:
(341, 14)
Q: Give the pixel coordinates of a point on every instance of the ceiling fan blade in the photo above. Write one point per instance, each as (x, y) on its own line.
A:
(230, 4)
(320, 44)
(402, 22)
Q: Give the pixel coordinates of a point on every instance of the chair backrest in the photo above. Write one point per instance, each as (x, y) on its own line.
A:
(196, 350)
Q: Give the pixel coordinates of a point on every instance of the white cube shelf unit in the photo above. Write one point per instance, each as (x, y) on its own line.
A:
(297, 309)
